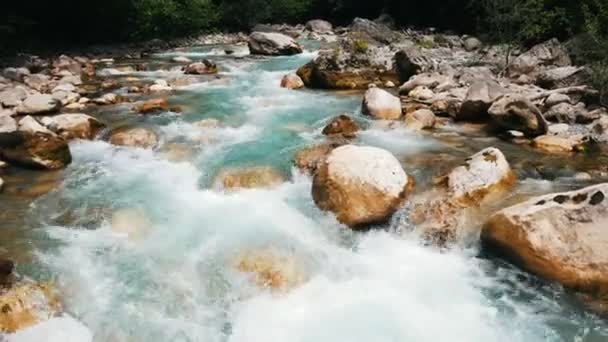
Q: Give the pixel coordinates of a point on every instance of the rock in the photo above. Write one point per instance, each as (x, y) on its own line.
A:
(7, 124)
(75, 80)
(181, 59)
(560, 237)
(409, 62)
(292, 81)
(449, 108)
(478, 100)
(310, 158)
(273, 44)
(472, 44)
(445, 215)
(549, 53)
(420, 119)
(177, 153)
(38, 104)
(560, 77)
(66, 97)
(565, 112)
(421, 93)
(557, 129)
(264, 28)
(343, 126)
(31, 125)
(378, 32)
(13, 97)
(558, 144)
(134, 137)
(208, 123)
(26, 304)
(381, 104)
(182, 81)
(132, 223)
(204, 67)
(271, 269)
(160, 86)
(107, 99)
(15, 74)
(39, 82)
(153, 106)
(6, 267)
(319, 26)
(35, 150)
(555, 99)
(430, 80)
(518, 113)
(389, 84)
(109, 84)
(248, 178)
(74, 126)
(360, 185)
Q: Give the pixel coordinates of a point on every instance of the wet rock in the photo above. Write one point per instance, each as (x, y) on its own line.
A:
(270, 43)
(360, 185)
(15, 74)
(478, 100)
(36, 150)
(420, 119)
(381, 104)
(182, 81)
(292, 81)
(319, 26)
(561, 237)
(13, 97)
(130, 222)
(343, 126)
(153, 106)
(205, 67)
(270, 268)
(38, 104)
(515, 112)
(134, 137)
(107, 99)
(26, 304)
(446, 214)
(109, 84)
(448, 107)
(248, 178)
(549, 53)
(176, 153)
(74, 126)
(421, 93)
(559, 144)
(310, 158)
(160, 86)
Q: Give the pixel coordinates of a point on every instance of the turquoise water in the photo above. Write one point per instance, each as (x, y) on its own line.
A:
(177, 283)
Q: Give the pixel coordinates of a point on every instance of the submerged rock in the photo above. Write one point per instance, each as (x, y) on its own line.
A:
(153, 106)
(130, 222)
(248, 178)
(310, 158)
(360, 185)
(343, 126)
(561, 237)
(36, 150)
(272, 43)
(26, 304)
(381, 104)
(271, 269)
(134, 137)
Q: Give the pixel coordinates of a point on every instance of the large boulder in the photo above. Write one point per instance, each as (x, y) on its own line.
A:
(516, 112)
(361, 185)
(74, 126)
(248, 178)
(39, 104)
(273, 44)
(319, 26)
(381, 104)
(478, 100)
(342, 126)
(408, 62)
(446, 214)
(13, 97)
(204, 67)
(35, 150)
(561, 237)
(134, 137)
(549, 53)
(560, 77)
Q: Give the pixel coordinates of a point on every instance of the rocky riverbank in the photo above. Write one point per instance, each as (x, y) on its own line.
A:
(424, 82)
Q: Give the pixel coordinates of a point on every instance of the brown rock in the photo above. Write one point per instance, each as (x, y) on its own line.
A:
(153, 106)
(134, 137)
(342, 125)
(36, 150)
(248, 178)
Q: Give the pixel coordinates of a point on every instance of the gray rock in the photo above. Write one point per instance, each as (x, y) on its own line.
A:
(515, 112)
(273, 44)
(13, 97)
(38, 104)
(7, 124)
(15, 74)
(472, 44)
(549, 53)
(478, 100)
(319, 26)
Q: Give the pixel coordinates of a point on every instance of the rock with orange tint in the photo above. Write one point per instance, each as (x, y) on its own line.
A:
(292, 81)
(381, 104)
(273, 269)
(153, 106)
(342, 125)
(310, 158)
(361, 185)
(561, 237)
(134, 137)
(26, 304)
(74, 126)
(248, 178)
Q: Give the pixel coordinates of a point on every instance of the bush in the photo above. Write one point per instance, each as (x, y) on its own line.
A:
(360, 45)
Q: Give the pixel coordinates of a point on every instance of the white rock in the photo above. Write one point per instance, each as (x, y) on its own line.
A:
(31, 125)
(38, 104)
(421, 93)
(483, 170)
(381, 104)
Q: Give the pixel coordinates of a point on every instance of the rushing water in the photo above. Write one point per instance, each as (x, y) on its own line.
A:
(176, 283)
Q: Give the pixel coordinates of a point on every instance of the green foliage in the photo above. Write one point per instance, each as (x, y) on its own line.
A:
(360, 45)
